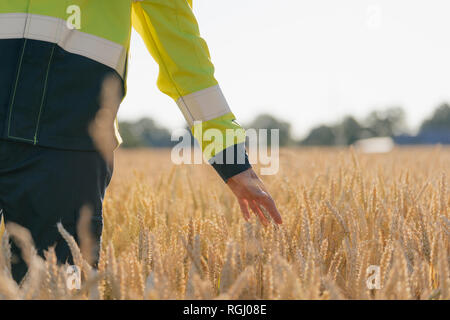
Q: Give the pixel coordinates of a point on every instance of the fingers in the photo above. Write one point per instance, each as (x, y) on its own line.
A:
(251, 191)
(267, 203)
(244, 208)
(258, 212)
(263, 199)
(270, 206)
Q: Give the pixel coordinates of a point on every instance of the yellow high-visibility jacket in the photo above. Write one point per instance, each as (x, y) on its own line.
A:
(56, 54)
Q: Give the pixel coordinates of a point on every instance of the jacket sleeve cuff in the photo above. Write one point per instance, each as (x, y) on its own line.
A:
(231, 161)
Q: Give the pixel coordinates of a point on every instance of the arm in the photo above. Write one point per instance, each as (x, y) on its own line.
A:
(171, 34)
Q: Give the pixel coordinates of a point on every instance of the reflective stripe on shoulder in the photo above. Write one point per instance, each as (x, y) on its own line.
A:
(55, 30)
(203, 105)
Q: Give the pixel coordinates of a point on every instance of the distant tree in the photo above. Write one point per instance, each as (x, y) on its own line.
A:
(389, 122)
(267, 121)
(439, 121)
(144, 133)
(320, 136)
(348, 131)
(129, 137)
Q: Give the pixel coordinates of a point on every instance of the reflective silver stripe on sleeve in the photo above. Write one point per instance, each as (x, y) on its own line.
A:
(55, 30)
(203, 105)
(12, 25)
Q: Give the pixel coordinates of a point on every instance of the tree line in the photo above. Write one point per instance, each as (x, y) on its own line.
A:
(390, 122)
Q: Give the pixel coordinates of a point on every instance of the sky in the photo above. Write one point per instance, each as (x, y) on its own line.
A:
(311, 61)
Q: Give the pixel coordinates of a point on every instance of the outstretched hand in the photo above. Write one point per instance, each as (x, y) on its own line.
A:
(251, 193)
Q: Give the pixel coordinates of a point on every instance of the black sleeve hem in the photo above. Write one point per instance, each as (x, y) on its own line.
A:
(237, 161)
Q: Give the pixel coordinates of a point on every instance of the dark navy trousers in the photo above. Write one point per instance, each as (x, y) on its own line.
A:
(40, 187)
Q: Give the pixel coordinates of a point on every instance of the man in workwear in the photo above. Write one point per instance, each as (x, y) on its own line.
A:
(55, 58)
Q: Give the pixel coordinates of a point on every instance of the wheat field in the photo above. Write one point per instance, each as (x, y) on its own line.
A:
(176, 232)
